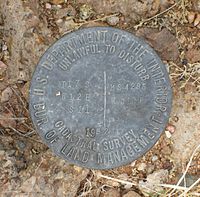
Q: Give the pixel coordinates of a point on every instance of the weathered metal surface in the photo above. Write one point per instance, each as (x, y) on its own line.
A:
(100, 97)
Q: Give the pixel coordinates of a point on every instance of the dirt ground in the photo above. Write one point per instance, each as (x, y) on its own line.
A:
(27, 166)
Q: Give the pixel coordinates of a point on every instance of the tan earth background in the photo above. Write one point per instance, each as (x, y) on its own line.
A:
(28, 167)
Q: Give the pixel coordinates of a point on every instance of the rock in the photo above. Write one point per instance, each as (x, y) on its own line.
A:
(26, 187)
(112, 193)
(8, 163)
(23, 36)
(167, 165)
(113, 20)
(54, 177)
(192, 55)
(171, 128)
(133, 164)
(186, 138)
(133, 10)
(163, 42)
(197, 20)
(4, 47)
(48, 6)
(153, 180)
(78, 169)
(65, 12)
(164, 4)
(59, 175)
(85, 11)
(66, 26)
(142, 167)
(3, 68)
(150, 168)
(127, 186)
(6, 95)
(23, 76)
(168, 134)
(61, 13)
(191, 17)
(32, 20)
(59, 22)
(154, 158)
(194, 18)
(21, 145)
(131, 194)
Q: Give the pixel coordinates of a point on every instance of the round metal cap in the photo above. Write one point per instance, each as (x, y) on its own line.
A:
(100, 97)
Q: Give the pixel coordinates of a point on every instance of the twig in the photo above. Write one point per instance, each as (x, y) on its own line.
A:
(78, 25)
(188, 165)
(1, 131)
(187, 190)
(27, 135)
(34, 174)
(126, 182)
(185, 72)
(155, 16)
(13, 118)
(118, 180)
(173, 186)
(21, 133)
(20, 98)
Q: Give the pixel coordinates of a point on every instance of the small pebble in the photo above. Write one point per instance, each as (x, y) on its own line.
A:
(21, 145)
(4, 48)
(59, 175)
(23, 76)
(191, 17)
(48, 6)
(168, 134)
(127, 186)
(8, 163)
(113, 20)
(142, 166)
(59, 6)
(10, 152)
(78, 169)
(197, 20)
(171, 128)
(3, 67)
(150, 168)
(133, 163)
(154, 158)
(59, 21)
(85, 11)
(6, 94)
